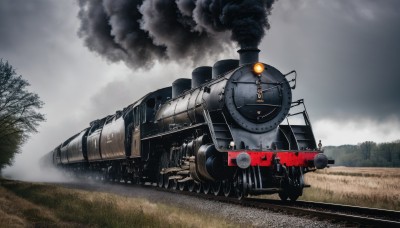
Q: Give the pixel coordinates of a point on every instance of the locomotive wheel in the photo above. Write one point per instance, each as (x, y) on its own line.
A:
(182, 185)
(206, 188)
(198, 187)
(216, 187)
(227, 188)
(174, 184)
(237, 188)
(191, 186)
(294, 194)
(166, 181)
(239, 194)
(294, 197)
(240, 185)
(137, 180)
(162, 165)
(160, 181)
(283, 196)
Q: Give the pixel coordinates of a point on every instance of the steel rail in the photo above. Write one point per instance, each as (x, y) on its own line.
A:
(367, 211)
(349, 215)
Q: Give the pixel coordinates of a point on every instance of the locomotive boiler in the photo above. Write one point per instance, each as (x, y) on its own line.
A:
(225, 131)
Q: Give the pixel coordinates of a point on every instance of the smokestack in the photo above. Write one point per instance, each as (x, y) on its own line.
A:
(248, 55)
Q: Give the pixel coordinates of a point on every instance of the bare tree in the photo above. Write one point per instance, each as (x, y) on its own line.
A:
(366, 148)
(19, 116)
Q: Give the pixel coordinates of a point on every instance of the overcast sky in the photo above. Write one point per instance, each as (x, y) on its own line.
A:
(346, 53)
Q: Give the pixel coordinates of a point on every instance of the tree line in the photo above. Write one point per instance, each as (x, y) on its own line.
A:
(19, 115)
(366, 154)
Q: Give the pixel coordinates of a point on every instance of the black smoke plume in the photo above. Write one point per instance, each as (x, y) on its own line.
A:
(140, 32)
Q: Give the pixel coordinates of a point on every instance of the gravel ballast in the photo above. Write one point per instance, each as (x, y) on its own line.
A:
(234, 213)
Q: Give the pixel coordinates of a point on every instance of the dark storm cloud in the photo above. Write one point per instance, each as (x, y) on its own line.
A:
(144, 31)
(13, 20)
(346, 53)
(39, 39)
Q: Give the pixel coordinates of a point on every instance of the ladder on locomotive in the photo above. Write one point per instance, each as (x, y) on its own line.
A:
(219, 129)
(301, 137)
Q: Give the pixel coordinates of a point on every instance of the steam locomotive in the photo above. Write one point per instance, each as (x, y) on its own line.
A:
(225, 131)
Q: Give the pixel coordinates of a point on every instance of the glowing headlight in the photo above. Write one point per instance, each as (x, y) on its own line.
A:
(258, 68)
(243, 160)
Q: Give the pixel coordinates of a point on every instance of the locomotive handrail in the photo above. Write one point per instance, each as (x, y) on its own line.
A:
(297, 103)
(265, 83)
(276, 84)
(295, 114)
(305, 113)
(272, 105)
(294, 79)
(265, 90)
(305, 116)
(174, 131)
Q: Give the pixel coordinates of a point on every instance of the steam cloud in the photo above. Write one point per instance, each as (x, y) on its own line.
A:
(140, 32)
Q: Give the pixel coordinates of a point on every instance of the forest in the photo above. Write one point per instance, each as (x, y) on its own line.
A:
(366, 154)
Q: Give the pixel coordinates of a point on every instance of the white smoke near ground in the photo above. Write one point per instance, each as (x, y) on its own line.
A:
(34, 171)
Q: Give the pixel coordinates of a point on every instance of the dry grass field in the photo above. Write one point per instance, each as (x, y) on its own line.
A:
(39, 205)
(369, 187)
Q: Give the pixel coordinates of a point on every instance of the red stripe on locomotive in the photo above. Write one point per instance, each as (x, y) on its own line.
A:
(264, 158)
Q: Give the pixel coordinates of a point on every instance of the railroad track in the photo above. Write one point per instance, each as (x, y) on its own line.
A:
(337, 213)
(342, 214)
(350, 215)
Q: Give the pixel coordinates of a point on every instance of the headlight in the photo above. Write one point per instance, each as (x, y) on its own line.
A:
(258, 68)
(243, 160)
(320, 161)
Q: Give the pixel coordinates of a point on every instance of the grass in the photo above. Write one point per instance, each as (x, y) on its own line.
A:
(18, 212)
(368, 187)
(42, 205)
(47, 205)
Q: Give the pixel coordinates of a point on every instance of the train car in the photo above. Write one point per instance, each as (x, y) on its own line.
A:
(93, 140)
(120, 152)
(226, 130)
